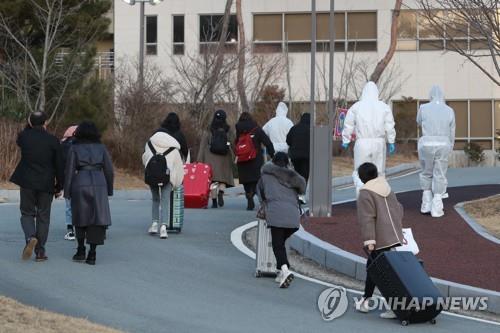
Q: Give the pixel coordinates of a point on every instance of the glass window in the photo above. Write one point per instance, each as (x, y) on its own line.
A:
(497, 123)
(480, 119)
(323, 26)
(407, 45)
(461, 118)
(407, 25)
(267, 27)
(178, 34)
(428, 28)
(361, 25)
(456, 27)
(298, 27)
(211, 28)
(151, 35)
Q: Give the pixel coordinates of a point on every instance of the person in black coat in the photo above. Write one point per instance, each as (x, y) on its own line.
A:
(298, 140)
(249, 171)
(89, 182)
(40, 175)
(172, 126)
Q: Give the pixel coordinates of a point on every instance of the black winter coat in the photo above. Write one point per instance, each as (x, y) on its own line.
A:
(299, 137)
(41, 167)
(249, 172)
(179, 136)
(89, 182)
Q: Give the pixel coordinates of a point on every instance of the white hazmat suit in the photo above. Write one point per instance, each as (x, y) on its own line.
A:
(278, 127)
(373, 123)
(437, 121)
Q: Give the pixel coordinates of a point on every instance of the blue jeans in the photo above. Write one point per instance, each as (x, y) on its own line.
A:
(161, 202)
(69, 221)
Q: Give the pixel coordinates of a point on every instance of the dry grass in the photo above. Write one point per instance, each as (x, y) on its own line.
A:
(344, 165)
(18, 318)
(123, 181)
(487, 213)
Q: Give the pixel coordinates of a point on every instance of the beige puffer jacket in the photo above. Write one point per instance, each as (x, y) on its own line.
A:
(380, 215)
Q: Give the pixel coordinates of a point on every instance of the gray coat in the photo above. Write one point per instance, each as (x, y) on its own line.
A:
(278, 190)
(222, 165)
(89, 189)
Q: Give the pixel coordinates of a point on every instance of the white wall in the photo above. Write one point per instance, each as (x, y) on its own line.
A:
(460, 79)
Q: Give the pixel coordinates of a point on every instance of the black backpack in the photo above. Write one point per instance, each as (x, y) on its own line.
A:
(157, 172)
(218, 142)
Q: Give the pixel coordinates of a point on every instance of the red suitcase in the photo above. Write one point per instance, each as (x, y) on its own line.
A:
(197, 180)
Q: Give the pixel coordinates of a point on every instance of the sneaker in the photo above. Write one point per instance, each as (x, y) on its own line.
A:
(28, 249)
(278, 277)
(220, 198)
(153, 229)
(70, 235)
(362, 306)
(163, 232)
(302, 199)
(286, 277)
(388, 315)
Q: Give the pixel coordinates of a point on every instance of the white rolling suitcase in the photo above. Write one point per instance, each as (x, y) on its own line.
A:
(265, 260)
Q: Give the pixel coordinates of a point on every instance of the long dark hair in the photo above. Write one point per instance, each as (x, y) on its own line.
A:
(219, 121)
(87, 132)
(171, 122)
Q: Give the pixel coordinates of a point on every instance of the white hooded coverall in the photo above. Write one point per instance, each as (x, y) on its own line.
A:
(373, 123)
(437, 121)
(278, 127)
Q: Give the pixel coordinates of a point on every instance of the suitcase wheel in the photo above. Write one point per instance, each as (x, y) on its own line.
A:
(258, 274)
(433, 321)
(405, 323)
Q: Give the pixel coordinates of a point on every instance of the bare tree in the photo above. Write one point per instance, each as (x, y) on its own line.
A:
(219, 56)
(32, 67)
(477, 20)
(384, 62)
(241, 59)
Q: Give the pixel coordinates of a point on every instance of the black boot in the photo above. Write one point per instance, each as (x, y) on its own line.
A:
(214, 203)
(220, 198)
(80, 254)
(91, 256)
(250, 202)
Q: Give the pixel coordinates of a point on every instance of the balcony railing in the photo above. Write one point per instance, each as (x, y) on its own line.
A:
(104, 62)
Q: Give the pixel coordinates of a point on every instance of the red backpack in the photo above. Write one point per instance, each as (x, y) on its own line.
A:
(245, 148)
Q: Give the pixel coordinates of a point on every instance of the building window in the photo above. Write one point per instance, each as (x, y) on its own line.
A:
(354, 31)
(417, 33)
(151, 35)
(178, 22)
(211, 30)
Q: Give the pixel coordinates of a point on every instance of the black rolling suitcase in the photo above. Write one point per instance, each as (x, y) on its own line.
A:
(399, 275)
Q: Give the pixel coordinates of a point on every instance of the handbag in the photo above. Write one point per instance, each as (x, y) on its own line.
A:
(261, 213)
(408, 244)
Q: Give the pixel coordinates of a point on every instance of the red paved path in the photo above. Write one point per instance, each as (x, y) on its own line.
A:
(450, 249)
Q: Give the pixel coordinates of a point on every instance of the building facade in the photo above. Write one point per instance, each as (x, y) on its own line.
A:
(175, 28)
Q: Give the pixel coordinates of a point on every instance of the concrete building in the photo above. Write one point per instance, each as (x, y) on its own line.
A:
(175, 28)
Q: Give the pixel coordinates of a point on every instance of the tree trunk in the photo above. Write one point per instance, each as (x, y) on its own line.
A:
(382, 64)
(240, 84)
(219, 58)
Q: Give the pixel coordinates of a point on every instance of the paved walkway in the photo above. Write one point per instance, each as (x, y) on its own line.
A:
(193, 282)
(450, 248)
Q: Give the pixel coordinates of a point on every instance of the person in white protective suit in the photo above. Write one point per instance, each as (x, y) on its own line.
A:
(437, 121)
(373, 123)
(278, 127)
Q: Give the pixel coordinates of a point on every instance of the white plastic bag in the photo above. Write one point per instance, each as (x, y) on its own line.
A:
(409, 244)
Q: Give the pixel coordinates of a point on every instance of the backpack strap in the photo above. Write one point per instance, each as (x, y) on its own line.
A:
(151, 147)
(168, 151)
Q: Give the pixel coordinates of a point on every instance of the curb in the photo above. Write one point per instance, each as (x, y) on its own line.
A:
(479, 229)
(354, 266)
(347, 180)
